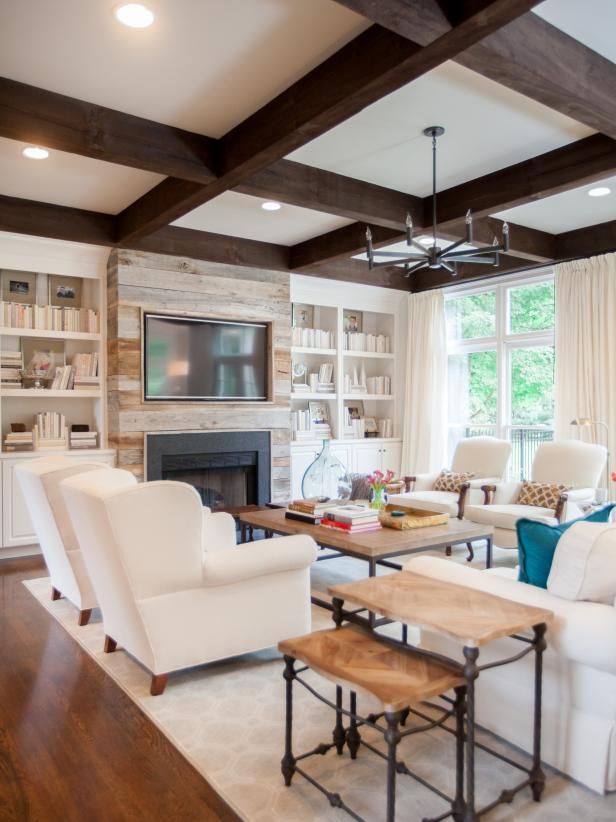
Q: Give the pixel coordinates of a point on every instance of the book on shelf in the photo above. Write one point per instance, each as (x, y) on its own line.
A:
(83, 439)
(311, 338)
(385, 427)
(371, 343)
(379, 385)
(48, 317)
(11, 366)
(19, 441)
(86, 365)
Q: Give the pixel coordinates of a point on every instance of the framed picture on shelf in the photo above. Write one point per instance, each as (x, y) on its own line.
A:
(19, 287)
(65, 291)
(319, 411)
(303, 315)
(370, 426)
(352, 321)
(355, 411)
(42, 355)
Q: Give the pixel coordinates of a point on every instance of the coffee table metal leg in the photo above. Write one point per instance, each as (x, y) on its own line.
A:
(339, 734)
(457, 807)
(471, 672)
(372, 573)
(287, 765)
(392, 737)
(537, 775)
(488, 552)
(242, 532)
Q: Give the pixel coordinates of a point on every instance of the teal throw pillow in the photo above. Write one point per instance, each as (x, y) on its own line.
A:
(537, 543)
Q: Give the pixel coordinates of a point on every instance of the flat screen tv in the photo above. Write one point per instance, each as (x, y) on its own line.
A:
(194, 358)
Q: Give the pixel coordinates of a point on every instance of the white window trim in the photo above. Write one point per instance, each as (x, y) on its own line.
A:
(503, 342)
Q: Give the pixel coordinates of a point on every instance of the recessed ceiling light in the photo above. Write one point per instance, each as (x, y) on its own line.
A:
(135, 15)
(271, 205)
(600, 191)
(35, 153)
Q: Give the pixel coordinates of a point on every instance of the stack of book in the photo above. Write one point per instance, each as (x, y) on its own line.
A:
(51, 430)
(375, 343)
(310, 510)
(352, 519)
(321, 431)
(11, 365)
(385, 427)
(63, 378)
(19, 441)
(83, 439)
(325, 376)
(379, 385)
(48, 317)
(312, 338)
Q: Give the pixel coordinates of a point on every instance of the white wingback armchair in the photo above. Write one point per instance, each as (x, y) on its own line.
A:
(40, 481)
(485, 457)
(174, 589)
(567, 462)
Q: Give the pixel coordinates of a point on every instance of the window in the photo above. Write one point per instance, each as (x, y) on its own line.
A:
(501, 366)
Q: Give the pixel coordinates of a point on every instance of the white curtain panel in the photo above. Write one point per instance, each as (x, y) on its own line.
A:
(585, 370)
(425, 401)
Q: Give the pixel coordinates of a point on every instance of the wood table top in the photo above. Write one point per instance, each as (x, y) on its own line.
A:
(373, 544)
(471, 617)
(353, 657)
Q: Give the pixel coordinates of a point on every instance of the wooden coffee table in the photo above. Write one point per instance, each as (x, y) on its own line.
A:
(375, 547)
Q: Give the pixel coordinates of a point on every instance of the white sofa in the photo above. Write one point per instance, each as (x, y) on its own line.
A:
(174, 589)
(40, 481)
(579, 676)
(568, 462)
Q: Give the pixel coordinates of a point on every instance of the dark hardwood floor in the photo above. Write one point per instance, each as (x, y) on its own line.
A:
(73, 746)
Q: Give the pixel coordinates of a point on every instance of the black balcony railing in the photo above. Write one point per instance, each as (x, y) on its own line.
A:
(524, 443)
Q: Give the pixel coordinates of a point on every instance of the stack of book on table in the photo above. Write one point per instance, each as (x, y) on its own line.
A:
(352, 519)
(310, 510)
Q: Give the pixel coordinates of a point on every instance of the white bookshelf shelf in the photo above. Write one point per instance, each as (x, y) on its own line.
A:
(309, 395)
(368, 397)
(320, 352)
(48, 334)
(48, 393)
(372, 355)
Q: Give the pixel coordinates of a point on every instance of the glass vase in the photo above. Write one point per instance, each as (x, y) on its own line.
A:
(379, 498)
(326, 477)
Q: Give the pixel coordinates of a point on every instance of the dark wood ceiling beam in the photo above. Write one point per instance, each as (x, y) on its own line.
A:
(587, 242)
(34, 115)
(301, 185)
(368, 68)
(76, 225)
(58, 222)
(528, 55)
(571, 166)
(356, 272)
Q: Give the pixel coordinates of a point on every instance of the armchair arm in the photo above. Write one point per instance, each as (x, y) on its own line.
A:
(218, 531)
(421, 482)
(488, 493)
(255, 559)
(464, 489)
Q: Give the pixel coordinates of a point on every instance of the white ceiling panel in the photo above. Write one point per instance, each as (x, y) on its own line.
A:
(204, 65)
(69, 180)
(487, 127)
(592, 22)
(567, 211)
(242, 216)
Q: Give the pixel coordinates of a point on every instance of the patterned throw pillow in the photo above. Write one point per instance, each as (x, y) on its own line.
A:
(541, 494)
(451, 481)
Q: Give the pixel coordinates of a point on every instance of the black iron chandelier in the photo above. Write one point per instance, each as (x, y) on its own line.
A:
(434, 256)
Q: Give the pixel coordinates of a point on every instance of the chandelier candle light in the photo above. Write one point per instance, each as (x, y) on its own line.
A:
(434, 256)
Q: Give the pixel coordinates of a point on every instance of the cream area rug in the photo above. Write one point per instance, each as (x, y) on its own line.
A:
(227, 719)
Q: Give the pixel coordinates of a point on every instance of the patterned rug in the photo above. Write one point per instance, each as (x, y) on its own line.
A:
(227, 719)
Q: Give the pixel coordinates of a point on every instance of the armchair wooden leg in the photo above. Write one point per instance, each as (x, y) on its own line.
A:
(55, 594)
(471, 553)
(158, 684)
(110, 645)
(448, 551)
(84, 616)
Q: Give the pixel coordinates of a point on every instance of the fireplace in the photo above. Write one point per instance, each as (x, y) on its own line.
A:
(227, 468)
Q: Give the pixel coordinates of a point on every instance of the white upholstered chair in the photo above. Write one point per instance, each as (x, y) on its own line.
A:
(567, 462)
(39, 481)
(484, 457)
(174, 589)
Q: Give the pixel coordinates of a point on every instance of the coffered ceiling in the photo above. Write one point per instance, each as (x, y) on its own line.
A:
(170, 138)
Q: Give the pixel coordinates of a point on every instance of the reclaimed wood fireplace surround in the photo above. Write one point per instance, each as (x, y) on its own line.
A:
(143, 281)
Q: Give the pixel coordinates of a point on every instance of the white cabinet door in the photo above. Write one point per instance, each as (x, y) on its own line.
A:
(16, 526)
(391, 454)
(367, 458)
(300, 460)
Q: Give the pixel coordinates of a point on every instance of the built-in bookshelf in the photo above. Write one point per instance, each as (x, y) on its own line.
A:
(52, 354)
